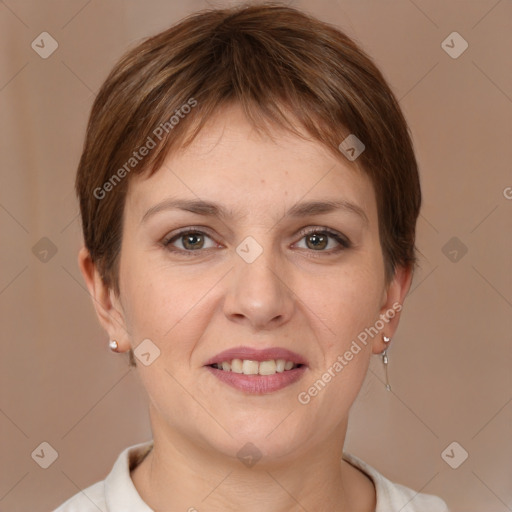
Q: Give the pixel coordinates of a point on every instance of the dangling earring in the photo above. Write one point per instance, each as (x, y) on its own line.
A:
(385, 361)
(113, 345)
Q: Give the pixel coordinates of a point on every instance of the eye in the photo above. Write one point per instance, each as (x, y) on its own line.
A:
(189, 240)
(318, 239)
(192, 240)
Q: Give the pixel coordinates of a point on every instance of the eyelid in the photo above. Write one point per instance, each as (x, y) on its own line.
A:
(341, 239)
(189, 229)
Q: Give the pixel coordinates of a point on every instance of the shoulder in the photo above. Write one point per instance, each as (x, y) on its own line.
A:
(396, 497)
(116, 493)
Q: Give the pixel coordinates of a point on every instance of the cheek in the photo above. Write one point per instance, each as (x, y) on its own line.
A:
(345, 302)
(345, 306)
(165, 304)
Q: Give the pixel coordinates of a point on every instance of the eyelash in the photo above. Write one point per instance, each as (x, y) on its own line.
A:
(344, 242)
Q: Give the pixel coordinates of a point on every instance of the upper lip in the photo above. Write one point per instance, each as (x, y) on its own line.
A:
(254, 354)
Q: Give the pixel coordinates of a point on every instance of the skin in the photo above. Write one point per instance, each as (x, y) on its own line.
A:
(311, 300)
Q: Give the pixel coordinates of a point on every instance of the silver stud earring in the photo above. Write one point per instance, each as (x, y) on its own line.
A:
(113, 345)
(385, 360)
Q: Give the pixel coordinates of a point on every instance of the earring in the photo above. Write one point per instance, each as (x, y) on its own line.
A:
(385, 360)
(113, 345)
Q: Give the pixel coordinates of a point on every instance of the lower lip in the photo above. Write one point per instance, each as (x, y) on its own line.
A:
(259, 384)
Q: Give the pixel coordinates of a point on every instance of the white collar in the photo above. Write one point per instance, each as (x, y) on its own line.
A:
(121, 494)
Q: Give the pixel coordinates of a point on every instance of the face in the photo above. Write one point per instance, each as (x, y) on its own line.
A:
(260, 272)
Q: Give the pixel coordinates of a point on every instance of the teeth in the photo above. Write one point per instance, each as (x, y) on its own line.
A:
(236, 366)
(249, 367)
(267, 368)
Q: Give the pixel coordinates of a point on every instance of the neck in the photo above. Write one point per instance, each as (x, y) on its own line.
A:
(179, 474)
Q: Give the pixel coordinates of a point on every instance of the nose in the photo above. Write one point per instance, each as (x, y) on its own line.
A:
(259, 293)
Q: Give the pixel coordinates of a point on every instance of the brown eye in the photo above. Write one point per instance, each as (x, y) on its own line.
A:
(193, 241)
(317, 241)
(189, 241)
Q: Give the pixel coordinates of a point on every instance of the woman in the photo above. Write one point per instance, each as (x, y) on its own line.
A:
(249, 196)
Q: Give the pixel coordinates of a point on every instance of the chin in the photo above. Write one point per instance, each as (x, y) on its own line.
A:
(264, 437)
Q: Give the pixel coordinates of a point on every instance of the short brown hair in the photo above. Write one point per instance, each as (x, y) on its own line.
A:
(281, 65)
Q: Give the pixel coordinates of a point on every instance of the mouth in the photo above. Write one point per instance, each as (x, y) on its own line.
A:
(257, 371)
(251, 367)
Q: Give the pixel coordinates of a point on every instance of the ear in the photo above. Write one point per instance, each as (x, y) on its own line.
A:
(107, 305)
(393, 299)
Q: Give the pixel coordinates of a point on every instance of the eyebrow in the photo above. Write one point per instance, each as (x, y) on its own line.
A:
(298, 210)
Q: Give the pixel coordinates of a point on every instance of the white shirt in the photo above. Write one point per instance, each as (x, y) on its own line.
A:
(117, 493)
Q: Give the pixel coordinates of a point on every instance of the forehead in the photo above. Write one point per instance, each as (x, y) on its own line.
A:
(231, 163)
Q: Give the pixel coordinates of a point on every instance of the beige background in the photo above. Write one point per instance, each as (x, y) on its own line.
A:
(450, 362)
